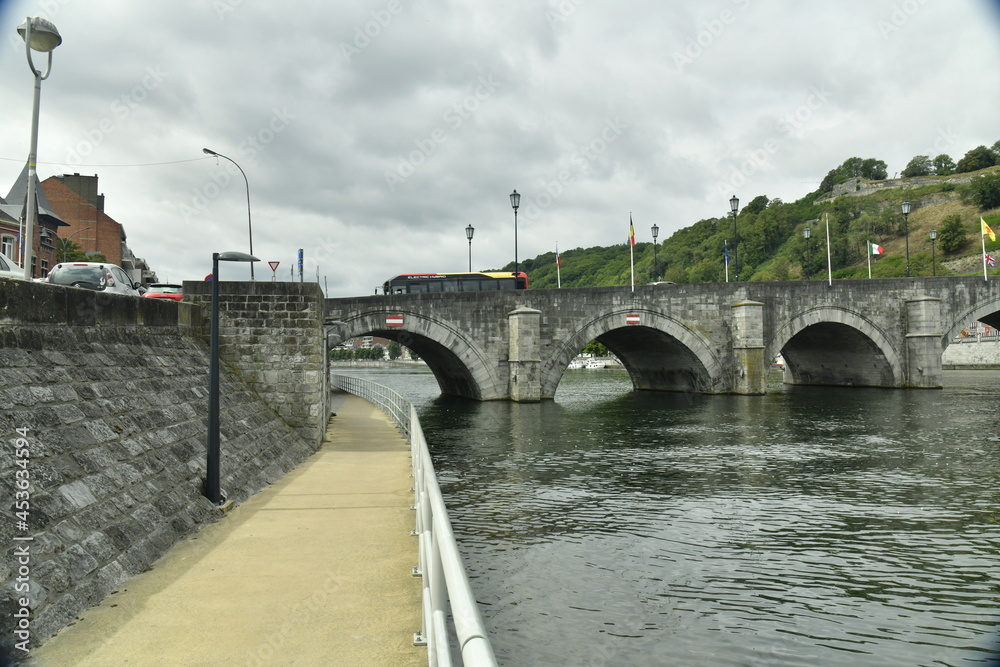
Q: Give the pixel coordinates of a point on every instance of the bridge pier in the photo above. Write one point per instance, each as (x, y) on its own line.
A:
(749, 365)
(524, 354)
(923, 343)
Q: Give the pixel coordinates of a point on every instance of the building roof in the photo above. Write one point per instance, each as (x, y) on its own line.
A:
(19, 193)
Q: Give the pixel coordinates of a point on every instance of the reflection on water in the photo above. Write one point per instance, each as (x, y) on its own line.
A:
(805, 527)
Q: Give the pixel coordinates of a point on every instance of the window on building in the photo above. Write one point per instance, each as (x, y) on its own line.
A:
(7, 245)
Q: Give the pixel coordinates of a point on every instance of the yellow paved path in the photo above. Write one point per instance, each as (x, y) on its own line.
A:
(314, 570)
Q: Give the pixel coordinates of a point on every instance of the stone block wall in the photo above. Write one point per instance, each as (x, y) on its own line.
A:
(103, 416)
(272, 335)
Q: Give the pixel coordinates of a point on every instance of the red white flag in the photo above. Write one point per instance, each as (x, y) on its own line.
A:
(393, 320)
(632, 318)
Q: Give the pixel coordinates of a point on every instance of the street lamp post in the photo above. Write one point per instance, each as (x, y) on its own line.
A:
(39, 35)
(212, 473)
(906, 229)
(515, 201)
(734, 204)
(933, 263)
(469, 231)
(806, 232)
(65, 241)
(656, 232)
(209, 151)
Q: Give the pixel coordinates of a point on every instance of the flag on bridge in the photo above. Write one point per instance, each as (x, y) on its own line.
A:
(875, 249)
(725, 253)
(631, 231)
(987, 230)
(989, 260)
(631, 250)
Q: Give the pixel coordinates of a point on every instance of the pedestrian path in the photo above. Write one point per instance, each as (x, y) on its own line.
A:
(314, 570)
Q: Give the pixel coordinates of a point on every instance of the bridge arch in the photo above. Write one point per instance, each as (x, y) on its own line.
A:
(661, 353)
(988, 313)
(459, 364)
(828, 345)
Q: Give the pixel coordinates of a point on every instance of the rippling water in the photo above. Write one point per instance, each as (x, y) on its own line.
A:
(805, 527)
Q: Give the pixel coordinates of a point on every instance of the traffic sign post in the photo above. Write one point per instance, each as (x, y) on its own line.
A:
(274, 271)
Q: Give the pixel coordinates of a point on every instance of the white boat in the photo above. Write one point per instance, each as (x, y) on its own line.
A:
(576, 364)
(595, 363)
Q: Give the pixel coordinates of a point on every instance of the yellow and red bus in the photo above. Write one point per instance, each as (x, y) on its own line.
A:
(420, 283)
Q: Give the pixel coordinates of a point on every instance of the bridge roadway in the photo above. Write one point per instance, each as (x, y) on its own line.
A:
(707, 338)
(314, 570)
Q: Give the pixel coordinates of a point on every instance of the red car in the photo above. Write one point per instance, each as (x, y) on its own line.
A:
(165, 291)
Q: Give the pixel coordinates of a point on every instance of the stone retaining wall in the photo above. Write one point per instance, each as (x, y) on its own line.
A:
(110, 395)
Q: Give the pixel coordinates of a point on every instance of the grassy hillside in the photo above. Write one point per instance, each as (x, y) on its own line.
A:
(772, 246)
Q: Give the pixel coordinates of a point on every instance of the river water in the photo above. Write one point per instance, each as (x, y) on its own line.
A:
(808, 526)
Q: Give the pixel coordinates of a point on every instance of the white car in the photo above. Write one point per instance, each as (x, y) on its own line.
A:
(100, 276)
(8, 269)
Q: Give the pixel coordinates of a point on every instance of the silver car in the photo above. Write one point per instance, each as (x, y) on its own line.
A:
(8, 269)
(99, 276)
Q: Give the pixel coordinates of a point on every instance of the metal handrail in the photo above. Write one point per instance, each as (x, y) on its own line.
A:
(445, 582)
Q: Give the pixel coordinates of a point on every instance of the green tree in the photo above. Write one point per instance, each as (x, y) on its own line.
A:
(952, 235)
(919, 166)
(395, 350)
(978, 158)
(944, 165)
(874, 170)
(985, 191)
(757, 205)
(595, 348)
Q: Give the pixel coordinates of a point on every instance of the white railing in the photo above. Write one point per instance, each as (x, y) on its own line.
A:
(440, 565)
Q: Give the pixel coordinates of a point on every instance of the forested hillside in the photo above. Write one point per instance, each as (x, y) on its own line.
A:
(772, 245)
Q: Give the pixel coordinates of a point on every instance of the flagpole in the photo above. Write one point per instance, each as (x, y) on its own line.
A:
(869, 247)
(631, 248)
(829, 262)
(558, 273)
(982, 237)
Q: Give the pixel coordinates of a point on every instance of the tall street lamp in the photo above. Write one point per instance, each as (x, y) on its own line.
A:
(906, 228)
(806, 232)
(515, 201)
(65, 241)
(734, 204)
(469, 231)
(933, 263)
(209, 151)
(656, 231)
(212, 485)
(39, 35)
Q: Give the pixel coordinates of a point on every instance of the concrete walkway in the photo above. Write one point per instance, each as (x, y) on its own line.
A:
(314, 570)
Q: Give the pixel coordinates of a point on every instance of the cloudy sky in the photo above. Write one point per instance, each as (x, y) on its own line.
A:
(372, 132)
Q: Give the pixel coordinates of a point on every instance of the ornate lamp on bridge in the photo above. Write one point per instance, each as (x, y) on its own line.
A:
(212, 485)
(39, 35)
(933, 263)
(656, 232)
(734, 204)
(806, 232)
(906, 229)
(515, 201)
(469, 231)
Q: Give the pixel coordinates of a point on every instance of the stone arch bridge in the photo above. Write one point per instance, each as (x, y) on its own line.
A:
(708, 338)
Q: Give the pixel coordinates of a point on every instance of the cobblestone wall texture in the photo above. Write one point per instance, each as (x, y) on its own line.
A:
(111, 394)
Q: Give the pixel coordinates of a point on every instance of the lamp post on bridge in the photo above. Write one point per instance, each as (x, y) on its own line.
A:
(734, 204)
(656, 232)
(469, 231)
(515, 201)
(906, 228)
(933, 263)
(806, 232)
(209, 151)
(39, 35)
(213, 489)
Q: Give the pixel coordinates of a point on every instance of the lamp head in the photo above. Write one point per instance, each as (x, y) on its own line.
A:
(209, 151)
(469, 231)
(235, 256)
(515, 199)
(933, 234)
(906, 207)
(44, 35)
(806, 232)
(656, 232)
(734, 204)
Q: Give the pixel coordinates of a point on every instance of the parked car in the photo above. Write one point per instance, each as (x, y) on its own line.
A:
(99, 276)
(8, 269)
(165, 291)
